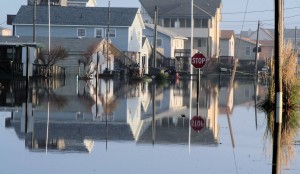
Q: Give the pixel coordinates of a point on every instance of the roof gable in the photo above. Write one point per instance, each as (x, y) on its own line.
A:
(169, 8)
(226, 34)
(77, 15)
(247, 40)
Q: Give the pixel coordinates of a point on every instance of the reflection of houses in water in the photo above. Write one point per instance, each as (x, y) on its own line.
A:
(12, 92)
(75, 125)
(208, 102)
(243, 93)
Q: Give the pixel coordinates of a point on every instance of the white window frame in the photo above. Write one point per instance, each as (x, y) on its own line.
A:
(78, 32)
(112, 32)
(98, 36)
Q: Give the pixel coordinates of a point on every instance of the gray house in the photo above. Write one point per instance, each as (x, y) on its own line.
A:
(176, 16)
(125, 31)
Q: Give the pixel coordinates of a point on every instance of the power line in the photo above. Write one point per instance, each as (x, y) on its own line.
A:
(258, 11)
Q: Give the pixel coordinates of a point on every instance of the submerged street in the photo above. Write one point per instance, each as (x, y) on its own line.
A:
(138, 127)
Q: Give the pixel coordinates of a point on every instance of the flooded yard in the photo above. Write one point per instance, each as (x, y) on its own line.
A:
(114, 126)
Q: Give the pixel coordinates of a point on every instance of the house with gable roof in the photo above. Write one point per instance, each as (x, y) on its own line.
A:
(146, 53)
(264, 34)
(227, 42)
(167, 40)
(244, 49)
(125, 31)
(176, 16)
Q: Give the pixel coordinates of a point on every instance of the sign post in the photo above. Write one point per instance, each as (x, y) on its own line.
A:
(198, 61)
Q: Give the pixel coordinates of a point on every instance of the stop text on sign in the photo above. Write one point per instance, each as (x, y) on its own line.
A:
(198, 123)
(196, 60)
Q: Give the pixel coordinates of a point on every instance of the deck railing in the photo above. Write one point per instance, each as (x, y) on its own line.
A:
(38, 70)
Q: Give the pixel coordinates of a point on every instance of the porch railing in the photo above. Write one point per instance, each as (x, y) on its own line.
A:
(38, 70)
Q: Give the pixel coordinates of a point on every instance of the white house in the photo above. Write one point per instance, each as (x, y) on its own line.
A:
(227, 43)
(167, 40)
(146, 53)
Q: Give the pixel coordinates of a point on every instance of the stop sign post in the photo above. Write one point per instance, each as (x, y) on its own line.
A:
(198, 60)
(197, 123)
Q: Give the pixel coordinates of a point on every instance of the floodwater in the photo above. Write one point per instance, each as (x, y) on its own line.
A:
(138, 127)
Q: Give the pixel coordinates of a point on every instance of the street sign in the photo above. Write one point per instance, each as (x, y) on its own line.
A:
(198, 60)
(197, 123)
(254, 49)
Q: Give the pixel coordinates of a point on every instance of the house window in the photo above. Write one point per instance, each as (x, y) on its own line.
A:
(204, 23)
(159, 42)
(173, 21)
(188, 23)
(167, 22)
(182, 22)
(197, 23)
(248, 51)
(112, 32)
(202, 42)
(99, 32)
(81, 32)
(10, 53)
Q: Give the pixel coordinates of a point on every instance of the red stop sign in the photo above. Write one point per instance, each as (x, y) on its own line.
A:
(198, 60)
(197, 123)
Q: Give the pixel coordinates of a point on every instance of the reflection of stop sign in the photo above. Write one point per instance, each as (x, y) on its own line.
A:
(197, 123)
(198, 60)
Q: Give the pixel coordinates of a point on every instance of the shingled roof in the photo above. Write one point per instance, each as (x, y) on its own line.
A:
(77, 16)
(166, 31)
(169, 8)
(226, 34)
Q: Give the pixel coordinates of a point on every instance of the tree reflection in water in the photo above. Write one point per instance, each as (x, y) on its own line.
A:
(56, 101)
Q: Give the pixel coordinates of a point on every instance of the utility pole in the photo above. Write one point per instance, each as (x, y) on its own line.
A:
(34, 22)
(256, 49)
(155, 36)
(208, 39)
(192, 35)
(108, 32)
(276, 162)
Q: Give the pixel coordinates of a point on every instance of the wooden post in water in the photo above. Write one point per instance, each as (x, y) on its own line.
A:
(276, 162)
(256, 49)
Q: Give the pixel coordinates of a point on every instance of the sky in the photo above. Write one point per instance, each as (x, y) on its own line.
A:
(233, 12)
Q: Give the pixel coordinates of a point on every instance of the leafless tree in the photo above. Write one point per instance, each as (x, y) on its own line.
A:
(48, 59)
